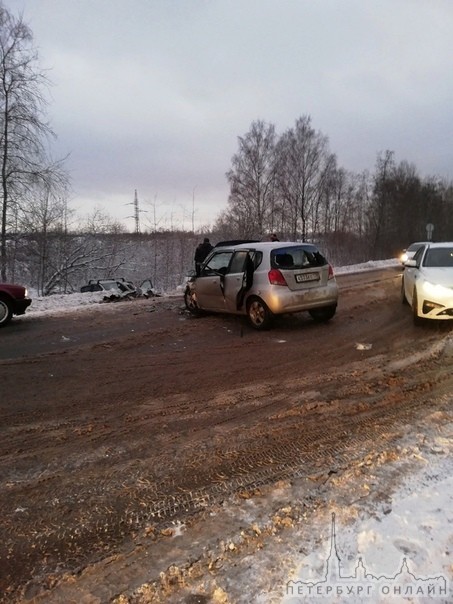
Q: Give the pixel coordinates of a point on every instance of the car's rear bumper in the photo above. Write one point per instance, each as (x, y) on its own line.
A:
(282, 300)
(20, 306)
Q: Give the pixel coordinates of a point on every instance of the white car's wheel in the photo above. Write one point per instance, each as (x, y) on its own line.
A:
(417, 319)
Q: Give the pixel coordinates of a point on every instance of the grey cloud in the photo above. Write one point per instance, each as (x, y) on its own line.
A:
(151, 94)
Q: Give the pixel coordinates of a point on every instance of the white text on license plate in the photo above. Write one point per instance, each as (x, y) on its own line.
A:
(301, 278)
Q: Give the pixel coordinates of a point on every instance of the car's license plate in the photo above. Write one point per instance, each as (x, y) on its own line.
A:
(303, 277)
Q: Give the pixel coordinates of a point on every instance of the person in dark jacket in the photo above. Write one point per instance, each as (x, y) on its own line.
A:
(201, 253)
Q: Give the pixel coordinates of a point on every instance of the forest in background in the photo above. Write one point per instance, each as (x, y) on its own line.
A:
(290, 183)
(352, 217)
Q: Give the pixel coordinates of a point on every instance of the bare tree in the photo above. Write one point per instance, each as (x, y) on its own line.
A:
(43, 217)
(252, 180)
(379, 214)
(24, 133)
(99, 222)
(83, 253)
(344, 196)
(304, 164)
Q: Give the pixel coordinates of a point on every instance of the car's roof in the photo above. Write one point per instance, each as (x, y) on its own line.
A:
(266, 245)
(441, 244)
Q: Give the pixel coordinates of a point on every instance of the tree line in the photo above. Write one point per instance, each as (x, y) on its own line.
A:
(292, 183)
(289, 183)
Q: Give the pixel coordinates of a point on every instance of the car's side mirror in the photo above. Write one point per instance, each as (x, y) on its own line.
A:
(411, 263)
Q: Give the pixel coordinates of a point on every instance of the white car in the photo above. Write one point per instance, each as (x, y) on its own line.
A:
(427, 282)
(410, 251)
(263, 279)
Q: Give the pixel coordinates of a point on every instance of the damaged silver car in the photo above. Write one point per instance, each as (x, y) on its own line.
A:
(264, 279)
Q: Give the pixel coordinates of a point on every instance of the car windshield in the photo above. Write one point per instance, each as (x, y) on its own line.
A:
(414, 247)
(297, 257)
(439, 257)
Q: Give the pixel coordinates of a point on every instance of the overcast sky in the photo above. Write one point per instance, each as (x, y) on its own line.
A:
(151, 95)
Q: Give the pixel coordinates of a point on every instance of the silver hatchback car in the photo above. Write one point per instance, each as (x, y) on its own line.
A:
(264, 279)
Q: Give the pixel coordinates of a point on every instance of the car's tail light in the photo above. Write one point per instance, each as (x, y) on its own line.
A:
(276, 278)
(331, 275)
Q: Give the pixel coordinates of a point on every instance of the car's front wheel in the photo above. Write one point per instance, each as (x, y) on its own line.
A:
(417, 319)
(321, 315)
(190, 300)
(259, 316)
(6, 312)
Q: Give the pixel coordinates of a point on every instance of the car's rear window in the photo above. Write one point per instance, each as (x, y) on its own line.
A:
(297, 257)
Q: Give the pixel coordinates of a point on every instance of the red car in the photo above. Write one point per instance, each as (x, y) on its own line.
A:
(14, 300)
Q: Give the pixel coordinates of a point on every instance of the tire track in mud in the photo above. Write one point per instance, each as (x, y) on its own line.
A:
(84, 534)
(291, 457)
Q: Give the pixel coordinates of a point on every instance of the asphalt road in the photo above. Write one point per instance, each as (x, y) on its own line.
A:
(30, 336)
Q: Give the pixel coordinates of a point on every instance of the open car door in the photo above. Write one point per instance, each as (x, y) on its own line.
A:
(210, 283)
(239, 279)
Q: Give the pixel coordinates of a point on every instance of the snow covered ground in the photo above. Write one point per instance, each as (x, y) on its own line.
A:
(399, 550)
(385, 536)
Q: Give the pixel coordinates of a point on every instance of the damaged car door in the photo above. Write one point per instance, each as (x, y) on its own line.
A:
(210, 284)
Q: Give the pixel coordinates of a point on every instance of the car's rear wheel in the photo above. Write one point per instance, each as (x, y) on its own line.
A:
(417, 319)
(190, 300)
(321, 315)
(6, 312)
(259, 316)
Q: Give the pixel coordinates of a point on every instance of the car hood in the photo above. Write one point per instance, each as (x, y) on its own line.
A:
(441, 276)
(18, 291)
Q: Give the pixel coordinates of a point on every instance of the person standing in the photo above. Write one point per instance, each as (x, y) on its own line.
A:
(274, 237)
(201, 253)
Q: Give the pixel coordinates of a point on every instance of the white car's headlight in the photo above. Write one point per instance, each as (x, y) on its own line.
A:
(436, 290)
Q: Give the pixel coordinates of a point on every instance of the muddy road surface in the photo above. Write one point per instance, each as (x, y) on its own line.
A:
(119, 421)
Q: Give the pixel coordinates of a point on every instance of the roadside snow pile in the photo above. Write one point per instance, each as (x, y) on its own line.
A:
(371, 265)
(402, 548)
(62, 302)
